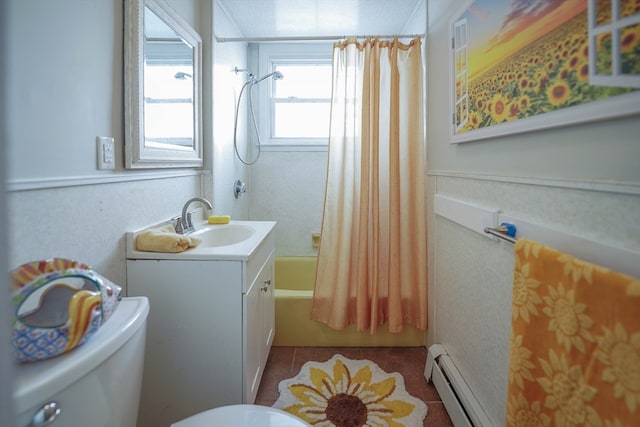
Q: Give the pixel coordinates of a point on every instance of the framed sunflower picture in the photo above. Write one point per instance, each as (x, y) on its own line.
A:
(524, 65)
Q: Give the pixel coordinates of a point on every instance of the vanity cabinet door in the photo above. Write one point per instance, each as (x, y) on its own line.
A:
(258, 307)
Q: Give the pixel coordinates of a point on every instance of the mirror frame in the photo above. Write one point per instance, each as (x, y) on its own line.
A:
(136, 154)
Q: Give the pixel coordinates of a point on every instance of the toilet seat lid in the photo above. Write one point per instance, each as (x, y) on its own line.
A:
(242, 416)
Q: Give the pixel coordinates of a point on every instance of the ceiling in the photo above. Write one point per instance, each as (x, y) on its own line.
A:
(306, 18)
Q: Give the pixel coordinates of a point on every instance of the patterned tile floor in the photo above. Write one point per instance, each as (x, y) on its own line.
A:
(285, 362)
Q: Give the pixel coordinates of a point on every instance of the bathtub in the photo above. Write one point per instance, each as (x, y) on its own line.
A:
(294, 279)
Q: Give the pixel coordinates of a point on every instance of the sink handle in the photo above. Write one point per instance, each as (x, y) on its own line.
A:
(178, 225)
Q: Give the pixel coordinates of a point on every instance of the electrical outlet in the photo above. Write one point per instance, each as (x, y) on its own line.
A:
(106, 149)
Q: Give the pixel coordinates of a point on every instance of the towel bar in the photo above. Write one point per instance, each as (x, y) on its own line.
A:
(505, 232)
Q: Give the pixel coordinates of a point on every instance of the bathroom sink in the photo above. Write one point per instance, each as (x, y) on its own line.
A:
(223, 235)
(237, 240)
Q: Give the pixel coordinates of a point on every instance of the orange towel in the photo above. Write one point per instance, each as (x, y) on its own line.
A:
(574, 357)
(164, 239)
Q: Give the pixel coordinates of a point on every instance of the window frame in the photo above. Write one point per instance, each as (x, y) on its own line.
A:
(269, 56)
(615, 27)
(461, 75)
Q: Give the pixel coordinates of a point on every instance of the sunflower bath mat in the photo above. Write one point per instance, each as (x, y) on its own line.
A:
(350, 393)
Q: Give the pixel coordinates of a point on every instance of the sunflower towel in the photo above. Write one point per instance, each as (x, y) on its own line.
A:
(574, 357)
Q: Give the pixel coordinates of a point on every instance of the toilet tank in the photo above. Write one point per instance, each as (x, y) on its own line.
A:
(97, 384)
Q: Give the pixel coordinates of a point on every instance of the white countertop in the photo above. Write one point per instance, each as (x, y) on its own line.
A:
(234, 252)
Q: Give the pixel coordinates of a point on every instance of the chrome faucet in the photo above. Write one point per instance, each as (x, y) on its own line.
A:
(183, 223)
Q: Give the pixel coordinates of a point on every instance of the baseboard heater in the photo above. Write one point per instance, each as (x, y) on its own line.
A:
(461, 405)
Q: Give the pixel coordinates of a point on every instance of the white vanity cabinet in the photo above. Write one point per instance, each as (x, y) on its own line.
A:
(209, 331)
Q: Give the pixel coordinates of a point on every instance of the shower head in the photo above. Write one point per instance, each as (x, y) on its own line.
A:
(277, 75)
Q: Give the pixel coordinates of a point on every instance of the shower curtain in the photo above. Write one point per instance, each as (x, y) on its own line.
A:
(372, 260)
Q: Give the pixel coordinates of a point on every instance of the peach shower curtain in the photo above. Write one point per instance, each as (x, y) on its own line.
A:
(372, 260)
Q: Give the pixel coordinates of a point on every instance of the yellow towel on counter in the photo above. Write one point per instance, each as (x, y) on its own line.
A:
(164, 239)
(574, 357)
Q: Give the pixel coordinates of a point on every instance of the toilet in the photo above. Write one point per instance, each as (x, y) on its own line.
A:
(242, 416)
(99, 383)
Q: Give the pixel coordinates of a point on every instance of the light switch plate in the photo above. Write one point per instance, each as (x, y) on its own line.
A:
(106, 152)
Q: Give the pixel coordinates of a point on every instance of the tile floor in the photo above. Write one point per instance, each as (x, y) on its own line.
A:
(285, 362)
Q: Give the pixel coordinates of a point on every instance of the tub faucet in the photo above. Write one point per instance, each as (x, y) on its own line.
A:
(183, 223)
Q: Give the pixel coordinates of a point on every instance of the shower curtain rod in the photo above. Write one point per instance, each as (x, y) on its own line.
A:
(309, 38)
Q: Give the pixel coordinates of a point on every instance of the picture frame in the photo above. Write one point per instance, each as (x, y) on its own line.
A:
(529, 65)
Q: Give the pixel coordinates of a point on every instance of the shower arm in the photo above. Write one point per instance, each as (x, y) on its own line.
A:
(277, 75)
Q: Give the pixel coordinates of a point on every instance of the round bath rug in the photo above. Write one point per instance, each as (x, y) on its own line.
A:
(350, 393)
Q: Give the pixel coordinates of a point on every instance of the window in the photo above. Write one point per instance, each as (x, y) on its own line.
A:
(295, 110)
(301, 101)
(168, 93)
(168, 105)
(613, 29)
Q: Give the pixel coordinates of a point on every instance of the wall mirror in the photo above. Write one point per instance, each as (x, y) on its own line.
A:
(162, 80)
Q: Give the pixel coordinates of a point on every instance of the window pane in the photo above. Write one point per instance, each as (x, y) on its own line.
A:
(301, 120)
(169, 122)
(628, 8)
(168, 109)
(630, 50)
(304, 81)
(603, 54)
(603, 15)
(168, 82)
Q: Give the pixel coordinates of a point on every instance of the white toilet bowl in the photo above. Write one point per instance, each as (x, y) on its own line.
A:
(242, 416)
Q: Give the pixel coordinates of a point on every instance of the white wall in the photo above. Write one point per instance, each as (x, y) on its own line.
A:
(289, 187)
(227, 84)
(64, 86)
(63, 65)
(583, 179)
(287, 183)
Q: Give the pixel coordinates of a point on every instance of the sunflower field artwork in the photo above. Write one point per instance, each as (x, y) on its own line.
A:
(519, 59)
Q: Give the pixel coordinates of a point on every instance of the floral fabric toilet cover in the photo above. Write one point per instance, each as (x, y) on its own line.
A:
(58, 305)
